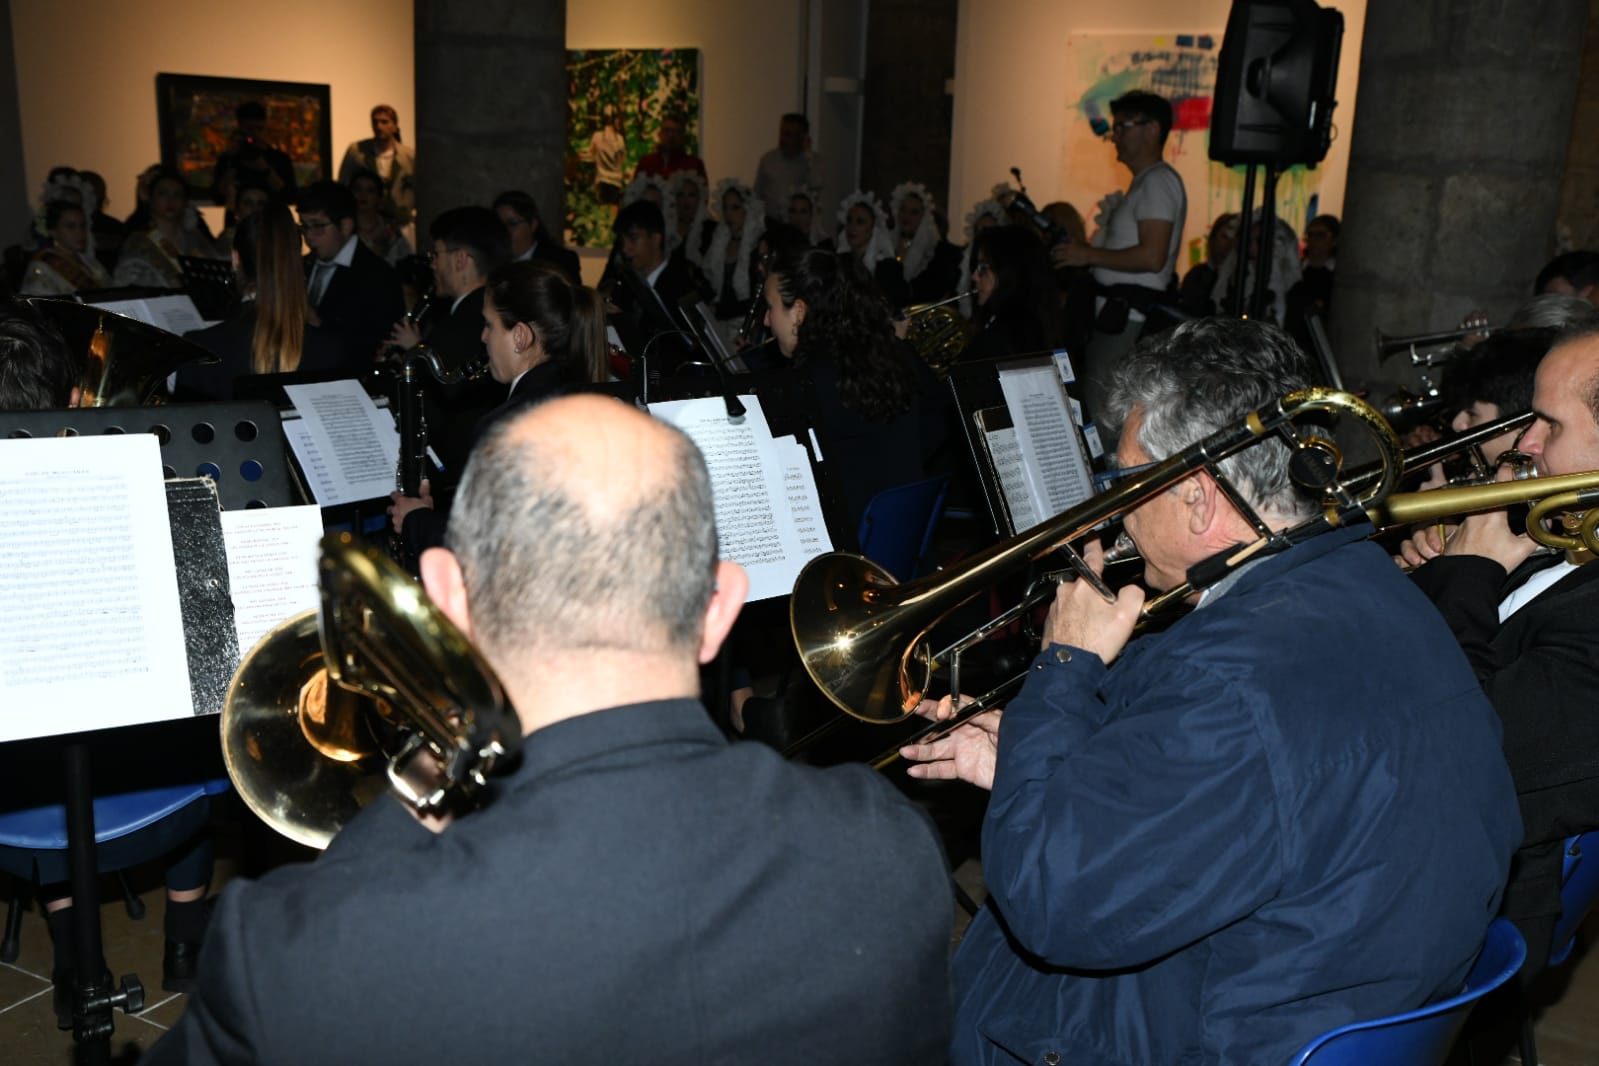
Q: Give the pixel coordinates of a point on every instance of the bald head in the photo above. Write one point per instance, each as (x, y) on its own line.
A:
(583, 524)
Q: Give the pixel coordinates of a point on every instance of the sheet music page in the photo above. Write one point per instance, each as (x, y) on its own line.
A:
(91, 635)
(753, 517)
(1006, 452)
(1053, 462)
(272, 560)
(355, 448)
(175, 314)
(804, 505)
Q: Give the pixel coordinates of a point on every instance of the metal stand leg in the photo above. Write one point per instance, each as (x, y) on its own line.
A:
(94, 997)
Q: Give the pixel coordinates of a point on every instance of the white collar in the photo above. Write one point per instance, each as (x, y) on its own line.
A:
(458, 300)
(650, 278)
(346, 254)
(527, 255)
(516, 381)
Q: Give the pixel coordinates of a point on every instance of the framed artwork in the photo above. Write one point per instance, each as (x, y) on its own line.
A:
(615, 101)
(197, 124)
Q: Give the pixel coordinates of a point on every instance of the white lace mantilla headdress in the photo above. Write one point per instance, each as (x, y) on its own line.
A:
(1285, 269)
(754, 224)
(983, 208)
(74, 190)
(882, 245)
(919, 252)
(674, 185)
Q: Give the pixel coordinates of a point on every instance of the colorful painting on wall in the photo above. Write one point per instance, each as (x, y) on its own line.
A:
(1182, 68)
(615, 101)
(197, 124)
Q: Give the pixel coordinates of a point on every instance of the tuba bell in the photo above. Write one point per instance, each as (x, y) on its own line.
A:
(124, 360)
(334, 707)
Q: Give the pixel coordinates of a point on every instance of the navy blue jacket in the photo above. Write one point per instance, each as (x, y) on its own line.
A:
(1287, 812)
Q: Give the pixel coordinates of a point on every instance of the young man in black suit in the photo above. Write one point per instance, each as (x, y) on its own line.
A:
(651, 301)
(1528, 623)
(352, 291)
(637, 886)
(529, 239)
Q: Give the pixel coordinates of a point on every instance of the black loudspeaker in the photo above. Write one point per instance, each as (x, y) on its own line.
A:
(1275, 80)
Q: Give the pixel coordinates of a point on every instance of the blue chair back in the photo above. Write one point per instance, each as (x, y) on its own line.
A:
(115, 816)
(1579, 887)
(1421, 1037)
(897, 526)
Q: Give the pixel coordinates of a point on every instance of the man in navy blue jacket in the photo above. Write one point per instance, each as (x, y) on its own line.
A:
(1287, 812)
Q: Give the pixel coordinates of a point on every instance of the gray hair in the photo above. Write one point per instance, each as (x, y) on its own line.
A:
(1552, 310)
(1208, 374)
(544, 572)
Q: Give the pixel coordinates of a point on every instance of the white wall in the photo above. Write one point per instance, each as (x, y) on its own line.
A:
(86, 70)
(1010, 92)
(751, 64)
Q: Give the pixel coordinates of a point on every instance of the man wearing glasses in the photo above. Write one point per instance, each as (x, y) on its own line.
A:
(351, 290)
(1134, 251)
(529, 239)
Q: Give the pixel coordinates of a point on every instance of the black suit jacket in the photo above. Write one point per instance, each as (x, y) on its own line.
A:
(645, 324)
(361, 304)
(639, 889)
(320, 355)
(563, 258)
(1541, 672)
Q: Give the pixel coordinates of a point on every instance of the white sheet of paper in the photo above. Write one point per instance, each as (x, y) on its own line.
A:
(804, 504)
(1006, 452)
(354, 446)
(272, 559)
(175, 314)
(91, 636)
(1053, 462)
(755, 521)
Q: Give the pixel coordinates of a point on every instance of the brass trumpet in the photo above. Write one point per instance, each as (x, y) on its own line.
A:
(333, 707)
(1569, 498)
(1388, 346)
(865, 641)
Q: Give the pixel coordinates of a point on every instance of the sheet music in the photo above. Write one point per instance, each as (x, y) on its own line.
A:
(804, 505)
(272, 566)
(758, 525)
(1005, 451)
(347, 447)
(91, 635)
(175, 314)
(1052, 456)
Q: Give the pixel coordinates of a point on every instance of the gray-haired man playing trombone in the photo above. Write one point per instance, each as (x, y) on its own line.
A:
(1285, 813)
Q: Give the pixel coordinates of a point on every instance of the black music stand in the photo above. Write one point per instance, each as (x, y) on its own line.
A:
(210, 285)
(190, 440)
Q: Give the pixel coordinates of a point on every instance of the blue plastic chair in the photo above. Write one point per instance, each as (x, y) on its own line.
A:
(115, 816)
(897, 527)
(1579, 888)
(1421, 1037)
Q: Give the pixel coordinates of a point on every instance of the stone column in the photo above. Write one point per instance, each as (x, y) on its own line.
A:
(491, 104)
(1455, 167)
(905, 133)
(1579, 194)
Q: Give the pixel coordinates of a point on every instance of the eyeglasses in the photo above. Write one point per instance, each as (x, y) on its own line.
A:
(1105, 480)
(512, 223)
(314, 227)
(982, 268)
(1117, 128)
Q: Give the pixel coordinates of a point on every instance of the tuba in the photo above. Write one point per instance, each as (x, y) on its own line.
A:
(336, 706)
(125, 360)
(864, 638)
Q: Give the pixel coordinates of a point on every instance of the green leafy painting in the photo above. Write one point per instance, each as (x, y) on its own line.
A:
(615, 100)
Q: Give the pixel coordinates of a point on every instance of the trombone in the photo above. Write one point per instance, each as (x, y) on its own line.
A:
(1569, 499)
(865, 641)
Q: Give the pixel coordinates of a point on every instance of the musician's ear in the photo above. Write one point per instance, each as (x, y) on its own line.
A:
(732, 586)
(441, 577)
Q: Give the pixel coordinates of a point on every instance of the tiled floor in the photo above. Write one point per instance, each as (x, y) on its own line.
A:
(1568, 1030)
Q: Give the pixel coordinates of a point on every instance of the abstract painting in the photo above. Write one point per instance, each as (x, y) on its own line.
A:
(195, 116)
(1182, 68)
(615, 101)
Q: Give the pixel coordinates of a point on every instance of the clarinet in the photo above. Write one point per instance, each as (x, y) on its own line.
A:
(750, 331)
(411, 370)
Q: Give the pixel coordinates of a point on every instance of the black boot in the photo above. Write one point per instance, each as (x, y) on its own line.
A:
(185, 929)
(63, 973)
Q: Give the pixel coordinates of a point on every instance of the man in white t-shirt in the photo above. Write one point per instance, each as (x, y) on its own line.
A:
(1134, 251)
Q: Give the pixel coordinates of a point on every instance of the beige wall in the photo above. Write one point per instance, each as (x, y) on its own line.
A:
(86, 70)
(1010, 92)
(750, 64)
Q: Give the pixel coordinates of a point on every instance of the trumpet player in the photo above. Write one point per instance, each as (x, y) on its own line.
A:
(638, 887)
(1201, 845)
(1527, 624)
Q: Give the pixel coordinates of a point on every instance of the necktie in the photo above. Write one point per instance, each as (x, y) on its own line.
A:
(321, 274)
